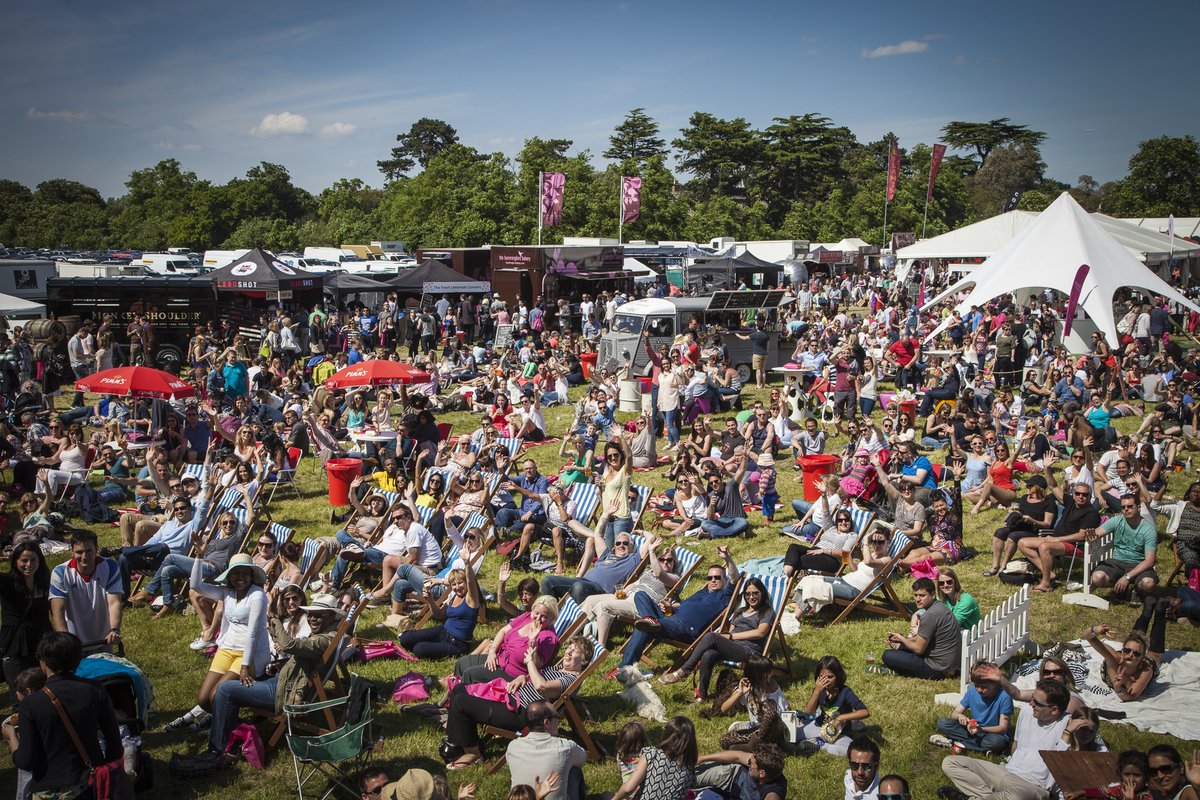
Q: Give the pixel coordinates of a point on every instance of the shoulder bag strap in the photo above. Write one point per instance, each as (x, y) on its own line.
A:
(66, 721)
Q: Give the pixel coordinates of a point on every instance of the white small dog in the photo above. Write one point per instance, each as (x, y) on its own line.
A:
(641, 695)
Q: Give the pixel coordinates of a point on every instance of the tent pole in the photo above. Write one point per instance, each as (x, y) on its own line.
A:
(621, 211)
(885, 216)
(539, 205)
(925, 216)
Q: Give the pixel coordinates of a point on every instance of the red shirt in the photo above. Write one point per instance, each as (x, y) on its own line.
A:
(904, 350)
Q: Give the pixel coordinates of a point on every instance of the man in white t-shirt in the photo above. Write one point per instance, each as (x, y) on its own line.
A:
(1025, 775)
(412, 541)
(85, 596)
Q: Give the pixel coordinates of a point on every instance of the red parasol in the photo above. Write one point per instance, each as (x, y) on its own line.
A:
(377, 373)
(136, 382)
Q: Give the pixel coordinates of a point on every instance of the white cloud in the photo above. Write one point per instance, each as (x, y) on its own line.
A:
(285, 123)
(190, 148)
(163, 145)
(69, 117)
(338, 129)
(905, 48)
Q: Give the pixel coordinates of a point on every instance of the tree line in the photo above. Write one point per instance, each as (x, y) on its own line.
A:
(801, 177)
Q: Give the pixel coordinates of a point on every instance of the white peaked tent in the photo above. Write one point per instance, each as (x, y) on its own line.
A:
(15, 306)
(1048, 252)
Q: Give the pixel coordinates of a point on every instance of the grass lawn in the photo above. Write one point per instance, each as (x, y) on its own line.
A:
(902, 711)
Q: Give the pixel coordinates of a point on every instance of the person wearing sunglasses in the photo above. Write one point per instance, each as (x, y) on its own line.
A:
(862, 772)
(681, 621)
(1170, 776)
(1076, 524)
(661, 577)
(215, 552)
(1135, 546)
(737, 773)
(1052, 668)
(610, 568)
(1131, 670)
(1025, 774)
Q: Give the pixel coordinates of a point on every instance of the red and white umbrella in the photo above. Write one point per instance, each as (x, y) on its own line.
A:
(377, 373)
(136, 382)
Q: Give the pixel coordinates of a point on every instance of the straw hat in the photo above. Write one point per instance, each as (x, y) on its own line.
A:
(416, 784)
(243, 560)
(324, 602)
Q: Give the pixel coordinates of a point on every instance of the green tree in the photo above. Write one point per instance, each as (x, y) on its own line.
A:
(61, 192)
(636, 140)
(984, 137)
(162, 205)
(802, 160)
(1163, 179)
(272, 234)
(722, 154)
(424, 140)
(15, 200)
(1009, 169)
(663, 214)
(549, 155)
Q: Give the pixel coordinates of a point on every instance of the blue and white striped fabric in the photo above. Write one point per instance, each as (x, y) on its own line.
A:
(862, 518)
(568, 613)
(311, 548)
(586, 497)
(282, 533)
(196, 471)
(685, 562)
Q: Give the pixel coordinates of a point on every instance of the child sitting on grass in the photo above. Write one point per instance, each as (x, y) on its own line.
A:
(990, 709)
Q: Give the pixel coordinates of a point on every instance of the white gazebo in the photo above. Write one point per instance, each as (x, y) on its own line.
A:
(1048, 252)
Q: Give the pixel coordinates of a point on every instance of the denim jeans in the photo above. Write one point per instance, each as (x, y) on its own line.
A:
(142, 558)
(672, 628)
(409, 579)
(81, 371)
(1191, 602)
(725, 526)
(579, 588)
(866, 405)
(906, 662)
(175, 567)
(232, 697)
(340, 565)
(955, 732)
(670, 422)
(617, 525)
(511, 517)
(112, 495)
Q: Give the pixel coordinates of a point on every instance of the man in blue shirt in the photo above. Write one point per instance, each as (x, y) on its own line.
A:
(609, 573)
(688, 619)
(531, 486)
(235, 375)
(175, 536)
(198, 434)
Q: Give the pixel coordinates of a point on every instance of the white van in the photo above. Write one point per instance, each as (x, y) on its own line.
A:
(215, 259)
(166, 264)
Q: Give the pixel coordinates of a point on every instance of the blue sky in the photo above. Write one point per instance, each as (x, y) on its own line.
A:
(94, 90)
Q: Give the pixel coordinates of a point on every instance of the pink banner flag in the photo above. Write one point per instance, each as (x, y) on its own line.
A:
(631, 199)
(552, 198)
(939, 150)
(1073, 299)
(921, 293)
(893, 170)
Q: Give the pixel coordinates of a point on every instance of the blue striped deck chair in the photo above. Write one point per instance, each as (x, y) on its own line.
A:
(570, 618)
(879, 597)
(586, 497)
(476, 520)
(686, 562)
(513, 446)
(196, 471)
(312, 558)
(564, 705)
(643, 500)
(779, 589)
(425, 515)
(447, 472)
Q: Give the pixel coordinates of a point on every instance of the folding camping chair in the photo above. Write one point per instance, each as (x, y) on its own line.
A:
(287, 476)
(340, 754)
(565, 706)
(887, 602)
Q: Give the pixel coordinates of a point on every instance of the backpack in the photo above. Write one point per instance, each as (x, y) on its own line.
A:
(91, 507)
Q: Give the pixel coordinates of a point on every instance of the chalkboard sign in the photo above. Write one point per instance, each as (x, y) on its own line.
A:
(504, 337)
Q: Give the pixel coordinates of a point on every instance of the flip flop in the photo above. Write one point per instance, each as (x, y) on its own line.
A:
(460, 764)
(669, 678)
(991, 572)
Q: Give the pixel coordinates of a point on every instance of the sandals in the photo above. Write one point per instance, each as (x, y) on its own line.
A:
(464, 762)
(674, 676)
(991, 572)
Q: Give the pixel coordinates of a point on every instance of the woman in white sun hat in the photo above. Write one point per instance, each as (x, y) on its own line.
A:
(243, 644)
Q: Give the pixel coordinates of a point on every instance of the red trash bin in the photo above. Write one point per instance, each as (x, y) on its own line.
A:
(909, 407)
(588, 360)
(647, 384)
(814, 469)
(341, 471)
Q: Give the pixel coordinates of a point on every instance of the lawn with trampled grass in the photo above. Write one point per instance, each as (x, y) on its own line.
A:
(902, 711)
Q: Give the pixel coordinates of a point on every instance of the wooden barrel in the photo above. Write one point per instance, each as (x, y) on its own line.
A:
(41, 330)
(71, 322)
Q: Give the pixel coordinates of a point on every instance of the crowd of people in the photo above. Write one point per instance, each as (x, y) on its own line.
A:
(994, 415)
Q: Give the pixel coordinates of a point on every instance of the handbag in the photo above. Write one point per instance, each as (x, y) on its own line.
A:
(107, 781)
(495, 690)
(411, 687)
(383, 649)
(251, 743)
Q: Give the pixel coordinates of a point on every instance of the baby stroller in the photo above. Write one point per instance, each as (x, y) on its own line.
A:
(132, 697)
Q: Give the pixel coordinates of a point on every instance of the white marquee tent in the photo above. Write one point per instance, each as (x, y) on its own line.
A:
(1048, 252)
(18, 307)
(986, 237)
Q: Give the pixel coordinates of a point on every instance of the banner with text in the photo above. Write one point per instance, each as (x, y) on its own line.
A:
(939, 150)
(893, 170)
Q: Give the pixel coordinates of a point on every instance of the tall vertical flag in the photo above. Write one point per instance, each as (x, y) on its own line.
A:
(935, 161)
(893, 170)
(631, 199)
(1073, 298)
(552, 198)
(939, 150)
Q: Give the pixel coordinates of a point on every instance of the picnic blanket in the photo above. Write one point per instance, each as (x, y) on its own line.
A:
(1168, 705)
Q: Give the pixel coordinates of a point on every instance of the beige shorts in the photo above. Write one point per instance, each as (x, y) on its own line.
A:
(758, 362)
